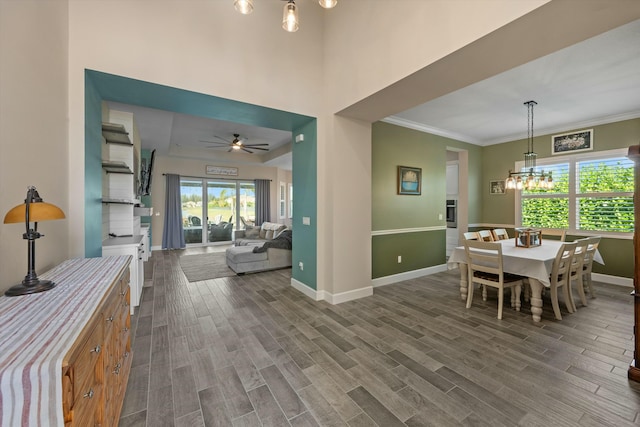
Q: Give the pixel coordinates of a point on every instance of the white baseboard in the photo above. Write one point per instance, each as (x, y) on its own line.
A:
(413, 274)
(612, 280)
(331, 298)
(311, 293)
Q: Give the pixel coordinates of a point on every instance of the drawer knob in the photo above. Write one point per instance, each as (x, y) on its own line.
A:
(125, 329)
(110, 319)
(89, 394)
(96, 349)
(123, 293)
(126, 354)
(116, 370)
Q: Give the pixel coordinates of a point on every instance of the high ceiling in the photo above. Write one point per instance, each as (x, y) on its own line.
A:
(593, 82)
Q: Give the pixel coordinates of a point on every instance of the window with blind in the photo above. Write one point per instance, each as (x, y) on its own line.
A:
(591, 193)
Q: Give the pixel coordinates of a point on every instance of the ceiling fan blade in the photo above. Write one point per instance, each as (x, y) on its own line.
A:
(230, 150)
(224, 139)
(255, 145)
(256, 148)
(213, 142)
(244, 149)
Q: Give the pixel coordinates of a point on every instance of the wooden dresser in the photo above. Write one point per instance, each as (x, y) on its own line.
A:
(65, 354)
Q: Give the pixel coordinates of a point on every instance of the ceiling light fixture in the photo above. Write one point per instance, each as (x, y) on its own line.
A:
(290, 18)
(529, 178)
(245, 7)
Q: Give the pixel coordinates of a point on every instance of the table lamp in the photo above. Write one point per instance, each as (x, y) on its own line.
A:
(32, 211)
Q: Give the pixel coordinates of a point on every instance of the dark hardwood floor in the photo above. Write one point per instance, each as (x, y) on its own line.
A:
(250, 350)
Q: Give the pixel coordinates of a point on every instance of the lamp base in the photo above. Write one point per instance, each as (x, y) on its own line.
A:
(31, 287)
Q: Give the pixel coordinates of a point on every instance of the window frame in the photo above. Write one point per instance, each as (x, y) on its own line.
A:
(573, 195)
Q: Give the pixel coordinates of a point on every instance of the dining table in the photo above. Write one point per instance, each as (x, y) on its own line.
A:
(533, 262)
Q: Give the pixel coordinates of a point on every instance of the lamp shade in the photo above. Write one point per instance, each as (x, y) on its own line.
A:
(290, 21)
(38, 211)
(244, 6)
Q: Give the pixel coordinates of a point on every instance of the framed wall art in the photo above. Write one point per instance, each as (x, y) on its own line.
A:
(572, 142)
(497, 186)
(409, 180)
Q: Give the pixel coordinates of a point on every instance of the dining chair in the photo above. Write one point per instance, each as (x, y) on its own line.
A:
(587, 265)
(554, 232)
(484, 266)
(561, 276)
(485, 235)
(470, 235)
(577, 264)
(500, 234)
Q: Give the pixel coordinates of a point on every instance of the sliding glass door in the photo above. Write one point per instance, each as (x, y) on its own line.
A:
(210, 209)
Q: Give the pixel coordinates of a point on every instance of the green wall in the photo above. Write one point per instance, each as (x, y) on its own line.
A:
(394, 146)
(500, 209)
(92, 170)
(102, 86)
(305, 189)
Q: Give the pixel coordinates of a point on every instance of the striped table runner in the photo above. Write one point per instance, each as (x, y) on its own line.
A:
(36, 331)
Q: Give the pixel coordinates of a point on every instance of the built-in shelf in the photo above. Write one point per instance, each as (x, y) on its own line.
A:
(115, 134)
(120, 201)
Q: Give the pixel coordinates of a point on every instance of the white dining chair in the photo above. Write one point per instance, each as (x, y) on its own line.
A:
(587, 265)
(485, 235)
(577, 264)
(500, 234)
(556, 233)
(470, 235)
(484, 266)
(560, 277)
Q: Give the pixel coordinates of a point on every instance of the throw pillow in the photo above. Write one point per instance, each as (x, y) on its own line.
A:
(269, 235)
(263, 233)
(252, 233)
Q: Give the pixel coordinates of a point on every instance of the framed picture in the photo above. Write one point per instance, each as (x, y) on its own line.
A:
(497, 187)
(409, 180)
(220, 170)
(572, 142)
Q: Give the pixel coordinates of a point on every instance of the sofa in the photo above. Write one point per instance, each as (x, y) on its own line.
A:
(261, 254)
(258, 235)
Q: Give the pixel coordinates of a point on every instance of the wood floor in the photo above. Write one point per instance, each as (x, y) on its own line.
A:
(250, 350)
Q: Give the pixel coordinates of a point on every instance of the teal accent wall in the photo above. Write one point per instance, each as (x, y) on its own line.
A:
(92, 170)
(305, 190)
(394, 146)
(102, 86)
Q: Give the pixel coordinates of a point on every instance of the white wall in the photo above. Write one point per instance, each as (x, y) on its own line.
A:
(33, 128)
(196, 168)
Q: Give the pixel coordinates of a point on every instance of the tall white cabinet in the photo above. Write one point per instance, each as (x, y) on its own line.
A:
(121, 231)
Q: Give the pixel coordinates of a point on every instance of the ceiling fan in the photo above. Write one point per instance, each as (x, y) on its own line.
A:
(237, 144)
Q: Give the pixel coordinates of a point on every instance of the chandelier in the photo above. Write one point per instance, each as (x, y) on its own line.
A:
(529, 178)
(290, 19)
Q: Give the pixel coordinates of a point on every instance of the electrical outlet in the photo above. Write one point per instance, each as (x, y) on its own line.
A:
(440, 217)
(301, 265)
(399, 259)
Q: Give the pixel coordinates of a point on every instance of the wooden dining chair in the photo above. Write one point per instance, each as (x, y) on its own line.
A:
(470, 235)
(560, 277)
(556, 233)
(587, 265)
(484, 266)
(577, 264)
(485, 235)
(500, 234)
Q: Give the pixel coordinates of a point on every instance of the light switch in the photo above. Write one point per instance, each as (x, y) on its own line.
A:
(306, 220)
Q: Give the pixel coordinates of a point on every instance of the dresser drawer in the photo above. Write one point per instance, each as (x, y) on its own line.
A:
(85, 363)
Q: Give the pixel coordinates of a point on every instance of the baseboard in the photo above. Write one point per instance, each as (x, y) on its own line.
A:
(311, 293)
(331, 298)
(348, 295)
(407, 275)
(627, 282)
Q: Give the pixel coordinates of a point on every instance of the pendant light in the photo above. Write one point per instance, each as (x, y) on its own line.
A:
(245, 7)
(328, 4)
(290, 21)
(530, 178)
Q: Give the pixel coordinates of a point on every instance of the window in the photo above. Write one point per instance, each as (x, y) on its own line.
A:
(290, 200)
(592, 193)
(283, 200)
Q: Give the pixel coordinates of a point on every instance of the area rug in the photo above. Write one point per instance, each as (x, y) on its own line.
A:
(205, 266)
